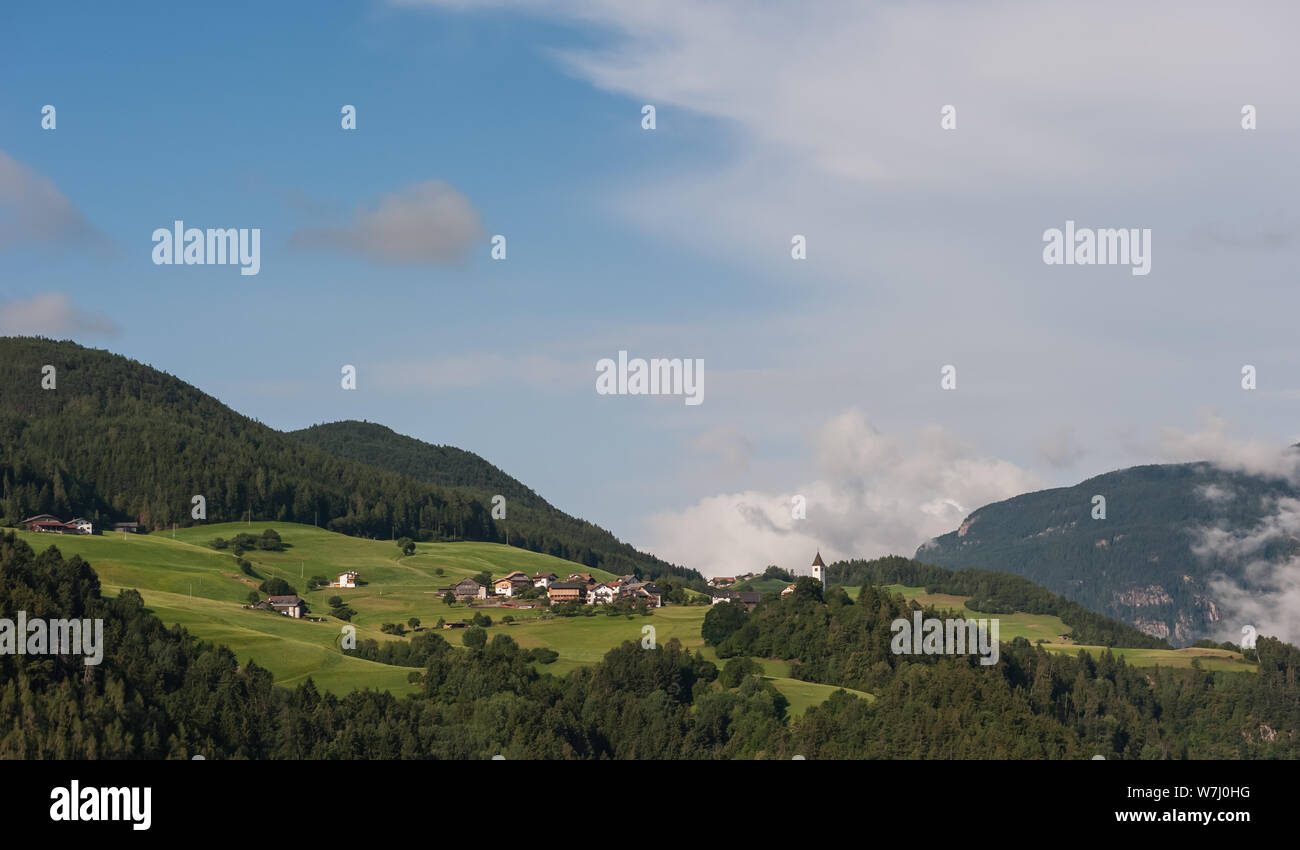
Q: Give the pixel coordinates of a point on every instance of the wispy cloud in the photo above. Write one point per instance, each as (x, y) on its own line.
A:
(427, 223)
(35, 214)
(52, 314)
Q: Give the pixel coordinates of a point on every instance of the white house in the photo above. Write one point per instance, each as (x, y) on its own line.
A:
(83, 526)
(601, 594)
(544, 579)
(511, 584)
(347, 579)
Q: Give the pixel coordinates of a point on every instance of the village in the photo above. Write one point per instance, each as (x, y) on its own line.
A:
(577, 587)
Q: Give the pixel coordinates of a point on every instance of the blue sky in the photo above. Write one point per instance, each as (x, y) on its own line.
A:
(822, 376)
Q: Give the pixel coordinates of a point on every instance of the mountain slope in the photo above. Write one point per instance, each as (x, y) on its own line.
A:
(1138, 564)
(118, 440)
(530, 521)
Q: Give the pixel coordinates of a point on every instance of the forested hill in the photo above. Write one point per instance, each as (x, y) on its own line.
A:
(1136, 564)
(994, 593)
(116, 440)
(446, 466)
(530, 520)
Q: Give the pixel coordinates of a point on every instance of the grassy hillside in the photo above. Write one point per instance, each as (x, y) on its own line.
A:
(1049, 629)
(185, 582)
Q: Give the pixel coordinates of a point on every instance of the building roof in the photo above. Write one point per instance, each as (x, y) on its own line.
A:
(568, 585)
(283, 600)
(817, 562)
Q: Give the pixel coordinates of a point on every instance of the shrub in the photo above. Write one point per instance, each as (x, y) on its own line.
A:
(277, 587)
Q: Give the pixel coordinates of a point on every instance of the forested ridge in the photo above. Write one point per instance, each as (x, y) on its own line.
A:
(994, 593)
(117, 440)
(160, 693)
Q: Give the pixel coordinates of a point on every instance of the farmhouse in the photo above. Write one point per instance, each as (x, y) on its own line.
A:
(566, 591)
(290, 606)
(467, 589)
(512, 583)
(544, 579)
(132, 527)
(602, 594)
(346, 579)
(53, 525)
(722, 581)
(788, 590)
(651, 594)
(748, 598)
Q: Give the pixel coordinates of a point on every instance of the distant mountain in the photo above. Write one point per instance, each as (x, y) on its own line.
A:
(114, 439)
(1136, 565)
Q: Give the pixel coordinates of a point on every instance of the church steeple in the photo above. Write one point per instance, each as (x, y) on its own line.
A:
(819, 568)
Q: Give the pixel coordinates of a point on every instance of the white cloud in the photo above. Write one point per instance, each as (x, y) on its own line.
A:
(34, 213)
(1267, 594)
(52, 314)
(1214, 444)
(872, 494)
(425, 223)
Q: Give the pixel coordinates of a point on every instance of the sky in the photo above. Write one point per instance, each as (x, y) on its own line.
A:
(924, 233)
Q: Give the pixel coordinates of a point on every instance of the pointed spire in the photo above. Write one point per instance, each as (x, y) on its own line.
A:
(817, 562)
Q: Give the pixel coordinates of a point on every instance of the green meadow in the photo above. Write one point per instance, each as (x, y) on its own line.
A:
(185, 581)
(1055, 634)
